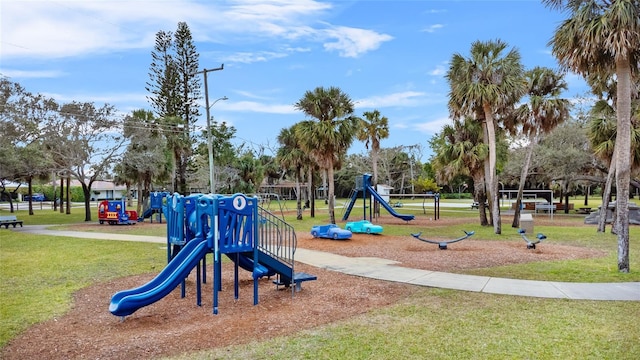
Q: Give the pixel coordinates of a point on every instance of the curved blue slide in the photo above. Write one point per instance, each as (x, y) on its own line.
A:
(126, 302)
(388, 207)
(147, 213)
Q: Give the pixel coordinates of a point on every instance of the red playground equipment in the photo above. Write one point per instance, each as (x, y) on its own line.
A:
(114, 212)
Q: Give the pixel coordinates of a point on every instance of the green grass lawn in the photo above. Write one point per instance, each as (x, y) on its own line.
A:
(40, 274)
(447, 324)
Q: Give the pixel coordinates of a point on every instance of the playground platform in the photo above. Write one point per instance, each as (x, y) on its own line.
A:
(384, 269)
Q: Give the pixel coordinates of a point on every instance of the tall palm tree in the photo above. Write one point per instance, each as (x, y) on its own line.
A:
(481, 86)
(327, 138)
(459, 150)
(603, 37)
(544, 111)
(374, 128)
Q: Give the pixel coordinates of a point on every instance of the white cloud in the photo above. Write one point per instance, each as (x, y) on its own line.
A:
(353, 42)
(48, 29)
(404, 98)
(30, 74)
(71, 28)
(98, 99)
(438, 71)
(433, 28)
(251, 57)
(432, 127)
(252, 106)
(250, 95)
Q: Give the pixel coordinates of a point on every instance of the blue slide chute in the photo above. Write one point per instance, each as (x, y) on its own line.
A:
(374, 193)
(127, 302)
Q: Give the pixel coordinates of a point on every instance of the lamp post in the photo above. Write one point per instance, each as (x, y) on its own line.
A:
(210, 146)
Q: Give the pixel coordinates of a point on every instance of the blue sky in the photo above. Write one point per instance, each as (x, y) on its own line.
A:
(387, 55)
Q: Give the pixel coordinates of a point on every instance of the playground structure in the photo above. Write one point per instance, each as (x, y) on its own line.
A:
(114, 212)
(442, 245)
(156, 203)
(235, 226)
(363, 188)
(531, 244)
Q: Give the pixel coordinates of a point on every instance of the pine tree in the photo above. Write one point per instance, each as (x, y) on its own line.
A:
(175, 89)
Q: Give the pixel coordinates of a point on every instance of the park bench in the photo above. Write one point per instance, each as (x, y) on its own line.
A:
(9, 220)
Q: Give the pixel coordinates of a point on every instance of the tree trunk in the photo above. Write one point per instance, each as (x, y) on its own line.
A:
(492, 188)
(86, 190)
(30, 192)
(586, 196)
(480, 197)
(623, 160)
(129, 197)
(606, 194)
(68, 197)
(53, 183)
(61, 194)
(299, 175)
(486, 168)
(523, 179)
(140, 198)
(312, 193)
(331, 202)
(183, 174)
(374, 163)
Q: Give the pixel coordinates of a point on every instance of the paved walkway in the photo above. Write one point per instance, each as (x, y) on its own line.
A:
(388, 270)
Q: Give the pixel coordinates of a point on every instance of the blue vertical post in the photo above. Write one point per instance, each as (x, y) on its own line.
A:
(236, 285)
(198, 286)
(364, 196)
(254, 244)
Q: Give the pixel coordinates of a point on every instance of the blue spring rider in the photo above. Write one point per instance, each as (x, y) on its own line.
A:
(234, 226)
(531, 244)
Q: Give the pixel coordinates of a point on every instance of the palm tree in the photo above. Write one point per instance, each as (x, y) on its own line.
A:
(327, 138)
(603, 37)
(291, 157)
(374, 128)
(602, 136)
(543, 113)
(602, 129)
(482, 86)
(459, 150)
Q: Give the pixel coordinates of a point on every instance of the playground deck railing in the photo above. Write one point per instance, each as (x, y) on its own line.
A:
(276, 238)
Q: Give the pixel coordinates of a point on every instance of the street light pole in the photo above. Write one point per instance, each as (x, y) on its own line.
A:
(209, 141)
(210, 147)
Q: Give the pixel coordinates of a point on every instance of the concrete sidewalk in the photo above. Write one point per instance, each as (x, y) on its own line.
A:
(389, 270)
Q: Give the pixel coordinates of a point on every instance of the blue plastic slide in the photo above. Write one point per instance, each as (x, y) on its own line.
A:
(127, 302)
(388, 207)
(147, 213)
